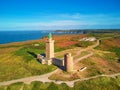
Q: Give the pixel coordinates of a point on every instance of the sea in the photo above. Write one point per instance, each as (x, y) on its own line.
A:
(19, 36)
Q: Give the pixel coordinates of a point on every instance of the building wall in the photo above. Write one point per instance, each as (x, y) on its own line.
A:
(68, 61)
(58, 62)
(49, 62)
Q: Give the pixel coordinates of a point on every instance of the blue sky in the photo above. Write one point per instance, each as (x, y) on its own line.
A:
(59, 14)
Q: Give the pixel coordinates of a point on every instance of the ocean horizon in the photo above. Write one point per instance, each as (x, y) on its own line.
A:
(19, 36)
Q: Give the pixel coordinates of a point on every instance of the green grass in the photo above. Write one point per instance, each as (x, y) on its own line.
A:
(58, 49)
(3, 88)
(23, 63)
(84, 44)
(92, 68)
(18, 68)
(102, 35)
(93, 71)
(116, 50)
(105, 46)
(101, 83)
(29, 52)
(110, 56)
(15, 86)
(107, 55)
(82, 54)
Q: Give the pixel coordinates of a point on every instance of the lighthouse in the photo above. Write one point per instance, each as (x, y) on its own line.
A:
(50, 47)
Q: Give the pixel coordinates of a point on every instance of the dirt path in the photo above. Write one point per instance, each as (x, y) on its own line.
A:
(84, 57)
(86, 49)
(28, 80)
(44, 78)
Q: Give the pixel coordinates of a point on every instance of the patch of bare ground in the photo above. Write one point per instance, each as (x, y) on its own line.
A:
(96, 65)
(60, 75)
(73, 52)
(107, 61)
(77, 67)
(107, 66)
(65, 76)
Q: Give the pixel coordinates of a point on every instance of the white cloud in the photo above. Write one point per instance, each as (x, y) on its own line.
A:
(66, 21)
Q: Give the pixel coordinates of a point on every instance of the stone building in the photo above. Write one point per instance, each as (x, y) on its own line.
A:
(44, 60)
(49, 52)
(67, 62)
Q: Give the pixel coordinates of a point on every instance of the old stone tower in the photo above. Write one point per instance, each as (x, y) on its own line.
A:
(68, 61)
(50, 47)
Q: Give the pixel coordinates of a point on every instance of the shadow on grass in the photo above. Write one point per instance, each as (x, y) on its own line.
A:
(118, 60)
(32, 53)
(35, 55)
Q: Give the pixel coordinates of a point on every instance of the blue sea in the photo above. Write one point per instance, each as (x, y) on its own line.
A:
(18, 36)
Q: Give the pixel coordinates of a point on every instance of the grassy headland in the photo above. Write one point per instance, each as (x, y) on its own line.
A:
(18, 60)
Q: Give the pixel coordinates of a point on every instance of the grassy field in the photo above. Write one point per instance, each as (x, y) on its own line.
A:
(103, 35)
(104, 61)
(14, 67)
(107, 55)
(101, 63)
(111, 44)
(84, 44)
(18, 60)
(102, 83)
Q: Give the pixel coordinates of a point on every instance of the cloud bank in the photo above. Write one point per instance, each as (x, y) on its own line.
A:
(64, 21)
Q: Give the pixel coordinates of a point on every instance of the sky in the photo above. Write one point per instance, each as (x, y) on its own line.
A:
(59, 14)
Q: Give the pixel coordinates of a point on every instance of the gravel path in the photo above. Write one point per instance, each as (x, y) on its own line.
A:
(44, 78)
(86, 49)
(28, 80)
